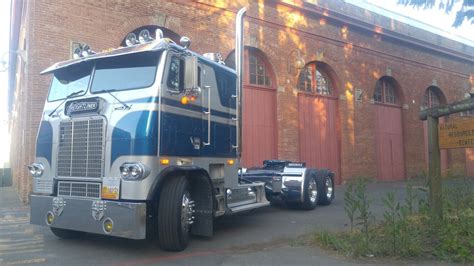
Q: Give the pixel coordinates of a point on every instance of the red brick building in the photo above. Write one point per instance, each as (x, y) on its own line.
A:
(327, 82)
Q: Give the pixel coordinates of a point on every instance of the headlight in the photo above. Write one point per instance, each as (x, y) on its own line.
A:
(133, 171)
(36, 169)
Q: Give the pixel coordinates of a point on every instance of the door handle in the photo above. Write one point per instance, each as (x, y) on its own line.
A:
(208, 113)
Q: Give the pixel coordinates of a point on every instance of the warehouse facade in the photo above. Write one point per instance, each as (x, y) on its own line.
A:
(327, 83)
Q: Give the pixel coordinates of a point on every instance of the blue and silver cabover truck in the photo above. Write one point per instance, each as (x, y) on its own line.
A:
(145, 141)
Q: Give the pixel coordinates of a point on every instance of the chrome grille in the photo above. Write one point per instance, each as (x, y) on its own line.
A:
(79, 189)
(81, 148)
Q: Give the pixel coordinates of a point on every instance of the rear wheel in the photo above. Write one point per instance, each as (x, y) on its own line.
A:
(310, 193)
(175, 214)
(326, 190)
(66, 234)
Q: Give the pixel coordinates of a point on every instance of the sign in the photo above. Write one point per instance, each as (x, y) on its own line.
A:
(456, 134)
(82, 106)
(111, 188)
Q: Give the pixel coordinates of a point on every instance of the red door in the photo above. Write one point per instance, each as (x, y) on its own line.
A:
(317, 132)
(470, 162)
(259, 130)
(389, 143)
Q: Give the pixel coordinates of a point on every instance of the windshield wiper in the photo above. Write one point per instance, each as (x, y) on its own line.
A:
(65, 99)
(127, 107)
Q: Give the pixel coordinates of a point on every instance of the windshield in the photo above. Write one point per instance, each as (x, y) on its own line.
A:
(69, 80)
(126, 72)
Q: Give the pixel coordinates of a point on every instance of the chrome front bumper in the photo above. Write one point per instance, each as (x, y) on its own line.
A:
(88, 215)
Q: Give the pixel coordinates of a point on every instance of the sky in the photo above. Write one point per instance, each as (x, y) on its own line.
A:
(434, 20)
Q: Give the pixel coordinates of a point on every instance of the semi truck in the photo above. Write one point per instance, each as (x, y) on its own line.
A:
(145, 141)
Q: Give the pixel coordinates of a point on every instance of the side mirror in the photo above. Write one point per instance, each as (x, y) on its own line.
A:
(190, 73)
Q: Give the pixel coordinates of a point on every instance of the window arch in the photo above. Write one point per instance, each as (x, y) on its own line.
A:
(258, 71)
(386, 91)
(314, 78)
(433, 97)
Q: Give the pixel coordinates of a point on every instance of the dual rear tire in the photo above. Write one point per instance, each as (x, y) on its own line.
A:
(317, 190)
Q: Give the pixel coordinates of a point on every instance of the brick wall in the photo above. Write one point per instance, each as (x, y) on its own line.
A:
(358, 56)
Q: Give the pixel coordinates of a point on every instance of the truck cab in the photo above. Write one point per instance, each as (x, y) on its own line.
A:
(144, 141)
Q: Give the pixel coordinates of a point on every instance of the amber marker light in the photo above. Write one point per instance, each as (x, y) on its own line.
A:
(184, 100)
(165, 161)
(108, 225)
(230, 162)
(49, 218)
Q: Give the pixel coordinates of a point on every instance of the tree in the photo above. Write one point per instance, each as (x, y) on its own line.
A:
(466, 12)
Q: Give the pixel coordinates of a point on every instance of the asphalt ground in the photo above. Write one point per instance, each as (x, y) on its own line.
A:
(261, 237)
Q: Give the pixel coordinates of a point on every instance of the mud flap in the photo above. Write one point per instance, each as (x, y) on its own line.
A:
(202, 193)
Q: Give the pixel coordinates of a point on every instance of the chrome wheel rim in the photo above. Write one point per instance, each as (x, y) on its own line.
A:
(312, 190)
(329, 188)
(187, 212)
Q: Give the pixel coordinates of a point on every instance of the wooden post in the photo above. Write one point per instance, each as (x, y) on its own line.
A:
(434, 169)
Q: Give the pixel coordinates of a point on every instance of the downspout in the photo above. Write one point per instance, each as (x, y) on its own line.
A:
(239, 51)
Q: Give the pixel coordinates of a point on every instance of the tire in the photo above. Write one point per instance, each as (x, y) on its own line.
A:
(326, 189)
(173, 232)
(310, 192)
(271, 198)
(66, 234)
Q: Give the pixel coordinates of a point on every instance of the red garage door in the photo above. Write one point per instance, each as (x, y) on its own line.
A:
(388, 130)
(317, 132)
(317, 115)
(389, 143)
(259, 131)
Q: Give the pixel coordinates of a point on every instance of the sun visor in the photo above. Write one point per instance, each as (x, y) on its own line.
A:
(148, 47)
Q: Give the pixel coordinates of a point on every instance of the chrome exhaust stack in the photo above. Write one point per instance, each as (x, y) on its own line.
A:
(239, 52)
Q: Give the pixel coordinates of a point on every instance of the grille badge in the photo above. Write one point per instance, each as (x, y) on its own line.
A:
(98, 209)
(58, 206)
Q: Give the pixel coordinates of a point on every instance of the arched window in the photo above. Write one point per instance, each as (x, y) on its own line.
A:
(258, 73)
(257, 68)
(432, 98)
(314, 79)
(385, 92)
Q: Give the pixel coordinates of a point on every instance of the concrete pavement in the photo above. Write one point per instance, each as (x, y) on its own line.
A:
(262, 237)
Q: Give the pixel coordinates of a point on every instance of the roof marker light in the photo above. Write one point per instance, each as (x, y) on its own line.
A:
(131, 39)
(144, 36)
(158, 34)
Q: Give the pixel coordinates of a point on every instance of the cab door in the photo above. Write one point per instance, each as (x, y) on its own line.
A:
(181, 116)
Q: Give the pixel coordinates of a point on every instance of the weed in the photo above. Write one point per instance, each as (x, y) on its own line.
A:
(350, 203)
(407, 229)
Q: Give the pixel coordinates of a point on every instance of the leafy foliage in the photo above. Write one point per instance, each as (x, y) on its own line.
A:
(466, 12)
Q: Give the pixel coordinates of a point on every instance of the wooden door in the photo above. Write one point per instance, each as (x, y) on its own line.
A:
(317, 132)
(389, 143)
(259, 126)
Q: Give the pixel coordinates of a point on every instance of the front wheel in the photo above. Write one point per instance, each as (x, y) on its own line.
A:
(175, 214)
(66, 234)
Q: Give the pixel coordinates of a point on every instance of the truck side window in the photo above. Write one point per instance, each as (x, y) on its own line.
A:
(175, 75)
